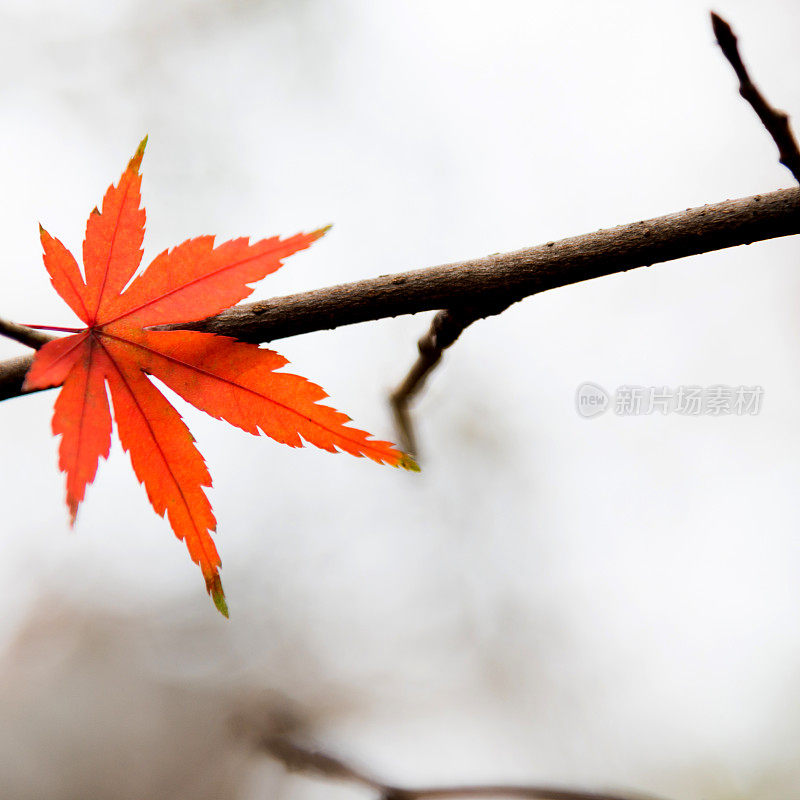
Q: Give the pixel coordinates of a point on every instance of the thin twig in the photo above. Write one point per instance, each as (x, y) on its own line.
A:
(445, 328)
(24, 335)
(502, 278)
(297, 758)
(313, 762)
(504, 790)
(775, 121)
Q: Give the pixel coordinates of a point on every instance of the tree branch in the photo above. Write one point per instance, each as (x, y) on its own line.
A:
(498, 280)
(24, 335)
(775, 121)
(301, 759)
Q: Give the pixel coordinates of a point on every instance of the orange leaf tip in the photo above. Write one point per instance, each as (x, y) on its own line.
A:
(135, 162)
(214, 587)
(319, 233)
(407, 462)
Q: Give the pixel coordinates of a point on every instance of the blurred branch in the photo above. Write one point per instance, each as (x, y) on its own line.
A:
(775, 121)
(497, 281)
(313, 762)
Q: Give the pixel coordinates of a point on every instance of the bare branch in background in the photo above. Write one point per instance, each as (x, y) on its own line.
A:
(776, 122)
(315, 763)
(501, 279)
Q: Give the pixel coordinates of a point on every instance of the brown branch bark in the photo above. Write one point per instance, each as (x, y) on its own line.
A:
(313, 762)
(24, 335)
(775, 121)
(501, 279)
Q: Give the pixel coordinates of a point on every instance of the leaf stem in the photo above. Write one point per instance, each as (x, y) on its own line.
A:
(53, 328)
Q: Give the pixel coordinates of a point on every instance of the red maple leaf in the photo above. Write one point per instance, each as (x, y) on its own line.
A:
(228, 379)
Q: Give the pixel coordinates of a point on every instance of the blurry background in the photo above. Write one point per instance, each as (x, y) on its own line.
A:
(605, 602)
